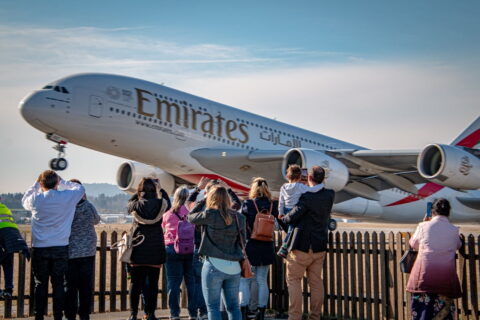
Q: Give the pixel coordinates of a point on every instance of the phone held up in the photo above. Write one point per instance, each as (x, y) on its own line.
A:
(429, 210)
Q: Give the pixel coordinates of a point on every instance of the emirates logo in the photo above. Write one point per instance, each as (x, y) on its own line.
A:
(465, 166)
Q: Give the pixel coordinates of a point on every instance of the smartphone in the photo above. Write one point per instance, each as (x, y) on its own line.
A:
(429, 209)
(304, 172)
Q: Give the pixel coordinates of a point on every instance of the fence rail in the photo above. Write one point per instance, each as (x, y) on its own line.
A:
(362, 279)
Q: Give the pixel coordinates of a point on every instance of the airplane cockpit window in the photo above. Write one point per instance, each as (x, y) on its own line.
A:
(64, 90)
(48, 87)
(57, 88)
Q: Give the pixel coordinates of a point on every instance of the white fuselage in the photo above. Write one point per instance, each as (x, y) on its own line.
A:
(160, 126)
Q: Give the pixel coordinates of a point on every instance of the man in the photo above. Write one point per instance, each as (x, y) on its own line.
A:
(308, 245)
(10, 241)
(52, 215)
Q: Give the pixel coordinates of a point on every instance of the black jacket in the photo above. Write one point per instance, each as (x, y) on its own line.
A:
(260, 253)
(152, 250)
(310, 217)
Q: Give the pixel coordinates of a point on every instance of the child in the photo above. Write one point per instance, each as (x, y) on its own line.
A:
(289, 194)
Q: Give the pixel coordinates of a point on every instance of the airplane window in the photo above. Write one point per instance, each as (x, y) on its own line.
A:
(150, 119)
(117, 111)
(159, 121)
(139, 117)
(111, 109)
(144, 118)
(128, 113)
(47, 87)
(123, 111)
(64, 90)
(57, 88)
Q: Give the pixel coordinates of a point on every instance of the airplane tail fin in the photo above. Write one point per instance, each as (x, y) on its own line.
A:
(469, 138)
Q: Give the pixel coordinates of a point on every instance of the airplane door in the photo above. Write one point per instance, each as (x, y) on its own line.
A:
(95, 108)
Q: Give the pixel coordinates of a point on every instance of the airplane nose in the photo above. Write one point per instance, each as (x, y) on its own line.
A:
(29, 107)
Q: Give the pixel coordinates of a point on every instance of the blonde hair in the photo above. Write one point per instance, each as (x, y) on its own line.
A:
(179, 198)
(259, 188)
(217, 198)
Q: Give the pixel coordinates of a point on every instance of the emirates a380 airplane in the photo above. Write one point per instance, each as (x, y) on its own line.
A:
(179, 138)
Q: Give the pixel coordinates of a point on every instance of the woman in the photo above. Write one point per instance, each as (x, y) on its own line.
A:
(220, 245)
(178, 266)
(147, 257)
(192, 202)
(260, 253)
(81, 260)
(433, 281)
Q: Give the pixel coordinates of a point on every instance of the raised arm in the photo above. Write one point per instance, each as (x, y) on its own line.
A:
(415, 240)
(75, 190)
(236, 203)
(167, 198)
(29, 196)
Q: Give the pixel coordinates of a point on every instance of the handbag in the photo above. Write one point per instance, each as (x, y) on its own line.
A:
(245, 265)
(126, 244)
(408, 260)
(264, 224)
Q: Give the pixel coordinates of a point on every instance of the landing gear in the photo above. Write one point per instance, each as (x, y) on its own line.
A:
(332, 224)
(59, 163)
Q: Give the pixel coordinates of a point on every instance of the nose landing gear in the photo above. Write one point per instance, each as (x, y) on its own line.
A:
(59, 163)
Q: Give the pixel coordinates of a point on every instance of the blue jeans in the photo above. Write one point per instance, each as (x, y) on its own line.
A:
(179, 267)
(214, 284)
(197, 275)
(261, 273)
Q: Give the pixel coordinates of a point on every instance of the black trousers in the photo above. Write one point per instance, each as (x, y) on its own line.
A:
(50, 263)
(7, 265)
(144, 280)
(79, 287)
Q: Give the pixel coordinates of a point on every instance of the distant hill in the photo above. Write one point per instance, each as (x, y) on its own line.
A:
(95, 189)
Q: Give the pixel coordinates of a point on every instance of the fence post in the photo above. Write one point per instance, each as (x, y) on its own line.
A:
(338, 273)
(391, 274)
(361, 306)
(21, 286)
(103, 270)
(31, 300)
(375, 276)
(399, 277)
(473, 275)
(113, 273)
(368, 278)
(354, 279)
(123, 286)
(406, 277)
(331, 272)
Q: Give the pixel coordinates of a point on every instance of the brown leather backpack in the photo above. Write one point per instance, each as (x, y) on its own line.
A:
(264, 224)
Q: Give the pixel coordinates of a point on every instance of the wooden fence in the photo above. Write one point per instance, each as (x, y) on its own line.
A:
(362, 279)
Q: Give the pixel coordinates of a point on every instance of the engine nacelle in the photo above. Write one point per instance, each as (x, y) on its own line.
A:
(336, 173)
(130, 173)
(449, 166)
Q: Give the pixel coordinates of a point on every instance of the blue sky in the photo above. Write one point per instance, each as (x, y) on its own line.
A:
(374, 73)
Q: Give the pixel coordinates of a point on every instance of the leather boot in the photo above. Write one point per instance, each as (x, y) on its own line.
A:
(244, 312)
(260, 314)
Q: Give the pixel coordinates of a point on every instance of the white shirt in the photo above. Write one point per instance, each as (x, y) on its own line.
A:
(291, 192)
(52, 213)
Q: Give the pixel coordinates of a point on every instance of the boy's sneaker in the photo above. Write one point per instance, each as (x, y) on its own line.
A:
(283, 252)
(6, 294)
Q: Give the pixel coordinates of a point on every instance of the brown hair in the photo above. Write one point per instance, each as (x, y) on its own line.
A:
(146, 185)
(217, 198)
(259, 188)
(318, 174)
(75, 180)
(48, 179)
(294, 172)
(441, 207)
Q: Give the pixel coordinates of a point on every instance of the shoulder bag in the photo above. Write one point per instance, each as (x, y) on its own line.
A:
(408, 260)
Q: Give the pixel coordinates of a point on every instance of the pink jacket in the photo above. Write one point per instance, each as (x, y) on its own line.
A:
(170, 222)
(434, 269)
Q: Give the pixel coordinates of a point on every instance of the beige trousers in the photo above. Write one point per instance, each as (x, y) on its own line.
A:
(299, 262)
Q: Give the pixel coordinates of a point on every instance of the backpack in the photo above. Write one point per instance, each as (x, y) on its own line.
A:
(184, 240)
(264, 224)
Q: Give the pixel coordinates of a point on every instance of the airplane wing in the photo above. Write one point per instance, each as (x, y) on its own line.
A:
(370, 170)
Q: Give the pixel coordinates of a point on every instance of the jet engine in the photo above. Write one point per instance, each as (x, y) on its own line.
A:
(449, 166)
(336, 173)
(130, 173)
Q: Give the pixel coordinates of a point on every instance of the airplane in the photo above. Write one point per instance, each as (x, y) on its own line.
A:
(179, 138)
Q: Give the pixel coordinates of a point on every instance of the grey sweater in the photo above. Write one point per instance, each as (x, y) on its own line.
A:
(83, 239)
(218, 239)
